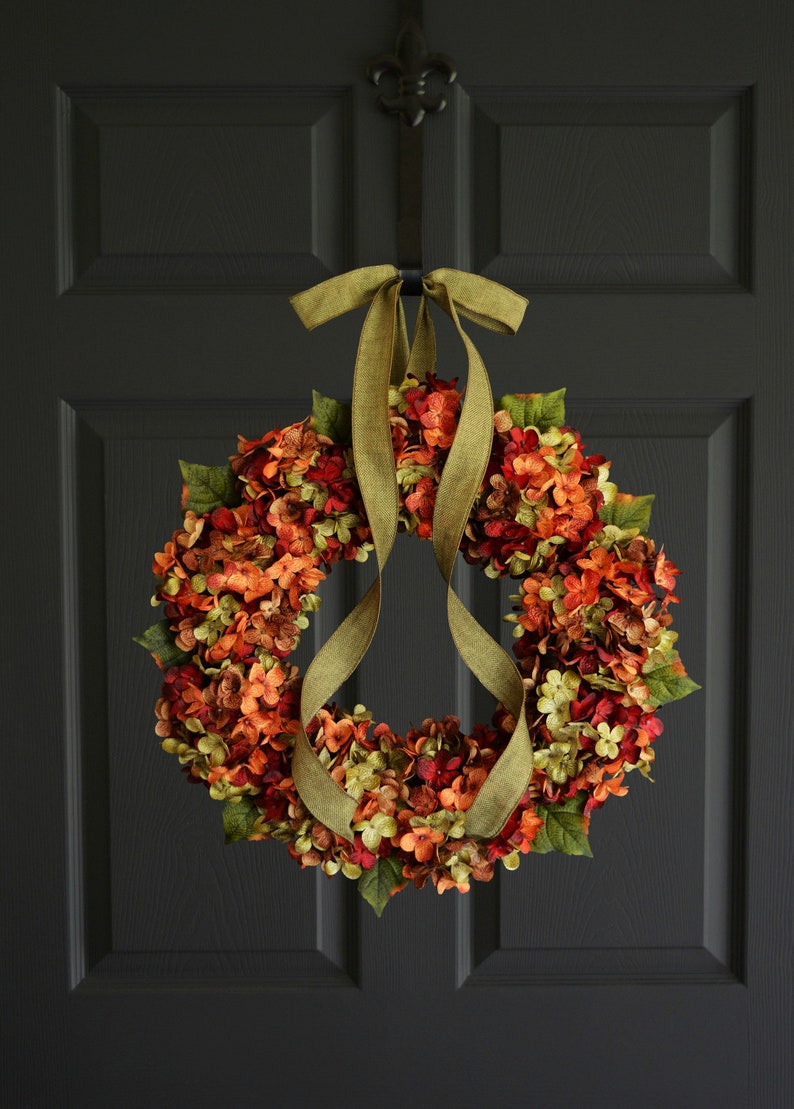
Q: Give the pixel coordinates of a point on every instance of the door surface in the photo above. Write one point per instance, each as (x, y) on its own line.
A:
(172, 173)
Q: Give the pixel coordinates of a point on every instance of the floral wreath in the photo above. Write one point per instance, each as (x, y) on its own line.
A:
(593, 642)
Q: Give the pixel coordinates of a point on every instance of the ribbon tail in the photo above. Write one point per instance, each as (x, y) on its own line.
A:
(374, 461)
(460, 482)
(333, 665)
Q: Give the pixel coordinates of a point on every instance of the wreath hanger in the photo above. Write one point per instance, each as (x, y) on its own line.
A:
(411, 64)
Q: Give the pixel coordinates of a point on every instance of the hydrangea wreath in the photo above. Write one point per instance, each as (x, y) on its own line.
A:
(593, 640)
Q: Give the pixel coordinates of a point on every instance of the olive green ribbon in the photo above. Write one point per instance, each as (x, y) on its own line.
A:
(383, 357)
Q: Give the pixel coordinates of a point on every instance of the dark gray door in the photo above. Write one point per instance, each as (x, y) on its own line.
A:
(173, 173)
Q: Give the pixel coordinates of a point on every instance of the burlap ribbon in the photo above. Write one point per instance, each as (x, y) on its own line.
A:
(383, 357)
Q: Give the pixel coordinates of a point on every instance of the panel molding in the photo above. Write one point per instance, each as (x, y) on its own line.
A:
(481, 957)
(87, 428)
(482, 962)
(333, 963)
(649, 249)
(139, 240)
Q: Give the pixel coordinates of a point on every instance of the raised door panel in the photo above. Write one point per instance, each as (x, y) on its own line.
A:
(663, 898)
(594, 189)
(205, 912)
(203, 189)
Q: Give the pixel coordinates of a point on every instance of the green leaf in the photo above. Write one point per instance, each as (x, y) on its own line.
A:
(207, 487)
(627, 512)
(563, 829)
(238, 819)
(376, 885)
(540, 410)
(666, 685)
(159, 640)
(331, 418)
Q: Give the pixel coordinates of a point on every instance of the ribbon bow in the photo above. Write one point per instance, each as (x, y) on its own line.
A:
(383, 358)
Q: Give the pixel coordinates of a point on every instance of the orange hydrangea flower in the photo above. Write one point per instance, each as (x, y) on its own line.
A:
(422, 842)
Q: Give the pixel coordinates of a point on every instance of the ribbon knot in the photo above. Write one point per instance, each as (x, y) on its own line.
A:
(384, 358)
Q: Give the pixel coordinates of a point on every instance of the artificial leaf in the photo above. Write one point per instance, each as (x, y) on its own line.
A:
(376, 885)
(238, 819)
(563, 829)
(540, 410)
(331, 418)
(627, 512)
(550, 410)
(206, 488)
(159, 640)
(668, 683)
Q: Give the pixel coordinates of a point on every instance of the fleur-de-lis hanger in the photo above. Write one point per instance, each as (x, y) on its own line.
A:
(411, 65)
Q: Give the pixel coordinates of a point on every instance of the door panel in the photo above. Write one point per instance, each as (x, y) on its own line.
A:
(641, 188)
(180, 174)
(658, 901)
(189, 917)
(185, 189)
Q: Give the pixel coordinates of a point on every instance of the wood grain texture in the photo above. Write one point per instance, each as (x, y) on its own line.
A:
(603, 188)
(204, 910)
(661, 899)
(185, 189)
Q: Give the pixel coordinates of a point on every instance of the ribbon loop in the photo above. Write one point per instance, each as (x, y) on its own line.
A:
(383, 358)
(341, 294)
(479, 299)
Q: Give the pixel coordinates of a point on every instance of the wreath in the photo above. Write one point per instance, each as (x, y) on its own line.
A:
(592, 638)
